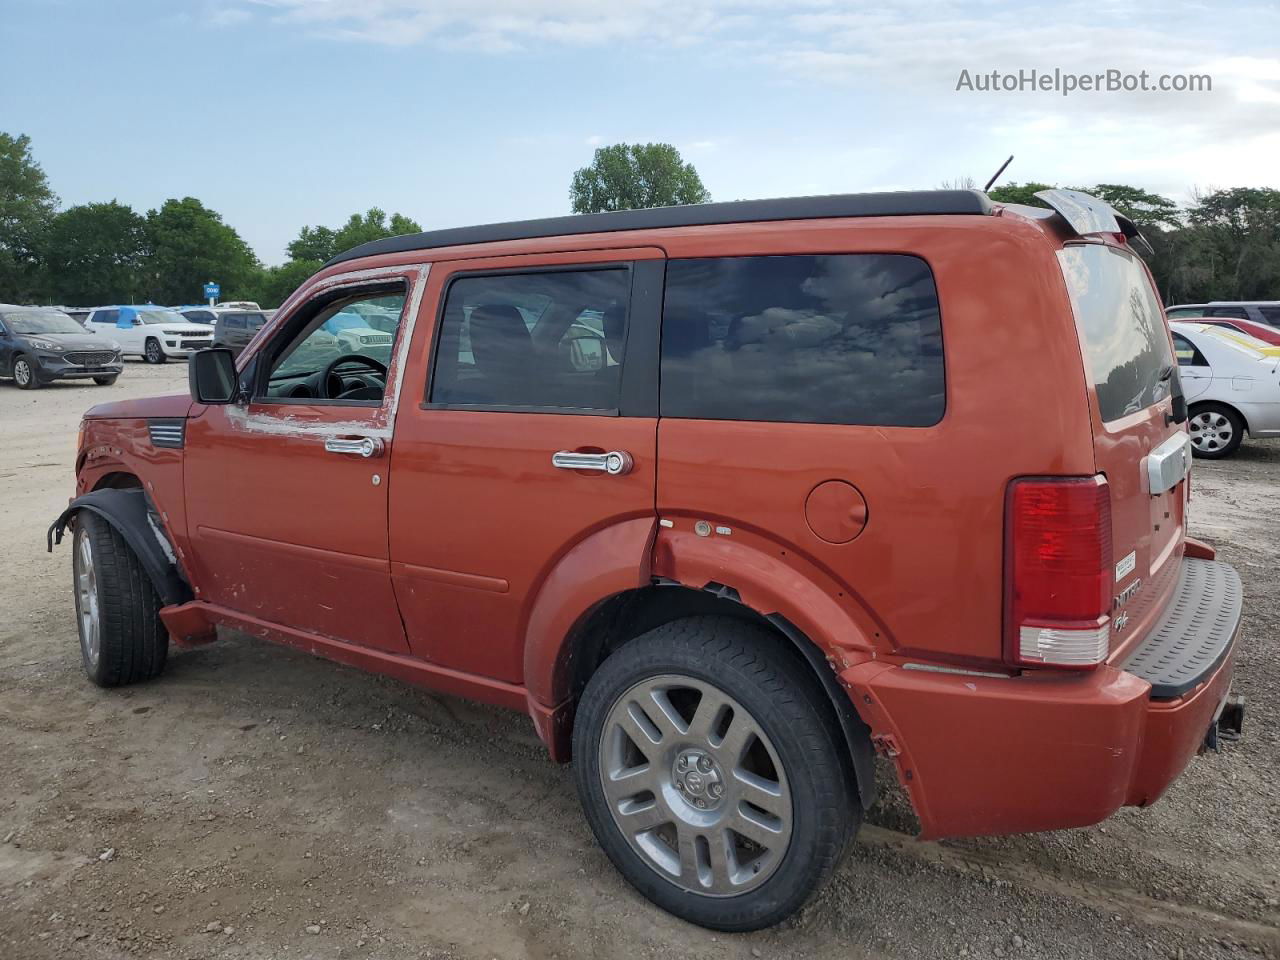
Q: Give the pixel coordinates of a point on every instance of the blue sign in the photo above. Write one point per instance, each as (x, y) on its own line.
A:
(212, 291)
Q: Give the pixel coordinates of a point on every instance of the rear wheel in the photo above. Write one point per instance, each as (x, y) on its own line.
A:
(1216, 430)
(153, 351)
(712, 773)
(122, 639)
(24, 374)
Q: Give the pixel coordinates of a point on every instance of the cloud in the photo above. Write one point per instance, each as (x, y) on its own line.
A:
(226, 16)
(908, 53)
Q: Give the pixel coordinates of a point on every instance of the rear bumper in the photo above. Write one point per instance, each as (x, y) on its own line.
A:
(1042, 750)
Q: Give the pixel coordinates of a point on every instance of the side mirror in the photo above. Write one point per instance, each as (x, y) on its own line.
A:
(586, 354)
(211, 375)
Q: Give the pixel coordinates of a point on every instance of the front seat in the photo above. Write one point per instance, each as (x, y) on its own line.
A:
(504, 358)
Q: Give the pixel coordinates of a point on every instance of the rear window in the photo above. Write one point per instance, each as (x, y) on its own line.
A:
(1121, 328)
(850, 339)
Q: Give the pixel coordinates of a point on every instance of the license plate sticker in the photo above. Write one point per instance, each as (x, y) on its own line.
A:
(1126, 565)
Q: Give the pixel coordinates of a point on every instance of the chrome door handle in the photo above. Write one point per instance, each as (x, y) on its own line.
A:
(615, 462)
(360, 447)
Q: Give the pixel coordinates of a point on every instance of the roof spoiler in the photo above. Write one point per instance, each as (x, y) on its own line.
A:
(1087, 215)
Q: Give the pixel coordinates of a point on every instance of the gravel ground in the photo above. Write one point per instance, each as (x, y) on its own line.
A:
(255, 802)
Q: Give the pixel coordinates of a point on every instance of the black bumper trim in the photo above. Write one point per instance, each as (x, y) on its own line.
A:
(1196, 632)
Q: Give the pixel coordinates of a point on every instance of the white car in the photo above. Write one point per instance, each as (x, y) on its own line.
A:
(1232, 386)
(153, 333)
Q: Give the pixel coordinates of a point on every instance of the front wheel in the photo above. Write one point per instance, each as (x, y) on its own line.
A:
(104, 381)
(154, 353)
(122, 639)
(1216, 430)
(24, 374)
(713, 773)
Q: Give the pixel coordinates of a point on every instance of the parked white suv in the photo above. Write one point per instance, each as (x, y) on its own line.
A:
(153, 333)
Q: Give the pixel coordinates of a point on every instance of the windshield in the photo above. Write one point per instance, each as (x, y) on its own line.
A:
(1121, 325)
(160, 316)
(51, 322)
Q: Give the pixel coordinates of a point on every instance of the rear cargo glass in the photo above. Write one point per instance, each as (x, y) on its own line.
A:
(848, 339)
(1121, 326)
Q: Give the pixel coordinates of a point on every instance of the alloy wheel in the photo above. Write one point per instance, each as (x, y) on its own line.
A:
(695, 785)
(153, 351)
(22, 373)
(1210, 431)
(87, 598)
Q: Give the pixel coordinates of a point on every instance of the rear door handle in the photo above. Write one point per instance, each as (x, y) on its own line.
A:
(358, 447)
(615, 462)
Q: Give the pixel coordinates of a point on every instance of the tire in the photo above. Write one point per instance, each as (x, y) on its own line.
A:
(24, 374)
(1216, 430)
(104, 381)
(767, 734)
(153, 352)
(122, 639)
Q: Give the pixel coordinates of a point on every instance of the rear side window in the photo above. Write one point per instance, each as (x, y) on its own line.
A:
(1271, 315)
(234, 321)
(540, 340)
(1186, 352)
(850, 339)
(1121, 325)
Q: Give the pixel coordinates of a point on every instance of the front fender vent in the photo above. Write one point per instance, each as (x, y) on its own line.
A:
(167, 433)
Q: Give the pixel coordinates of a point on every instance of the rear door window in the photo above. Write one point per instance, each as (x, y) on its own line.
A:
(544, 340)
(1121, 325)
(848, 339)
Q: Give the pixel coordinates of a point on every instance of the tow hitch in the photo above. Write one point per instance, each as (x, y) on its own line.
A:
(1228, 724)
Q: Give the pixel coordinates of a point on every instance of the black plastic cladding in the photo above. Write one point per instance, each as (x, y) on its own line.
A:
(904, 203)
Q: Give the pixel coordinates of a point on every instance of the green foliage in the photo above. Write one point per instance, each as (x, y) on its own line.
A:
(27, 206)
(324, 243)
(188, 245)
(94, 254)
(313, 243)
(633, 176)
(274, 284)
(1023, 193)
(1143, 208)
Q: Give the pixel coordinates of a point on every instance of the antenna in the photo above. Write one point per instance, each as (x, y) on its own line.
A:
(997, 174)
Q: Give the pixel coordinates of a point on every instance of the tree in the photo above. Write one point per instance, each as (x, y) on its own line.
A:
(313, 243)
(1235, 235)
(27, 206)
(324, 243)
(94, 254)
(274, 284)
(188, 245)
(1142, 207)
(633, 176)
(1024, 193)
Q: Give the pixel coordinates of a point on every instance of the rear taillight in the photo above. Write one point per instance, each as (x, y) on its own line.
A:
(1058, 571)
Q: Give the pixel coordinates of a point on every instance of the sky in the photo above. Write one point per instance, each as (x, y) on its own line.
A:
(280, 113)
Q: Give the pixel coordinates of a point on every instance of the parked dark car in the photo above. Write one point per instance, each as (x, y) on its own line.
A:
(1259, 311)
(234, 329)
(39, 345)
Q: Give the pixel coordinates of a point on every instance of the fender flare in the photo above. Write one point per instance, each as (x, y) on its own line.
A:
(130, 512)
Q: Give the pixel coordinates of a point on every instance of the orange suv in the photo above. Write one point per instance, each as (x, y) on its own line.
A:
(728, 498)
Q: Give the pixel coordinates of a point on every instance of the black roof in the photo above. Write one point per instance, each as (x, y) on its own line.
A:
(897, 204)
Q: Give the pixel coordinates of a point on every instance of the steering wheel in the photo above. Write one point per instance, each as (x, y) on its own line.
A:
(332, 385)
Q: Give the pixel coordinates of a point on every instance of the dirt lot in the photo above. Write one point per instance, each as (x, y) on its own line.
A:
(255, 802)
